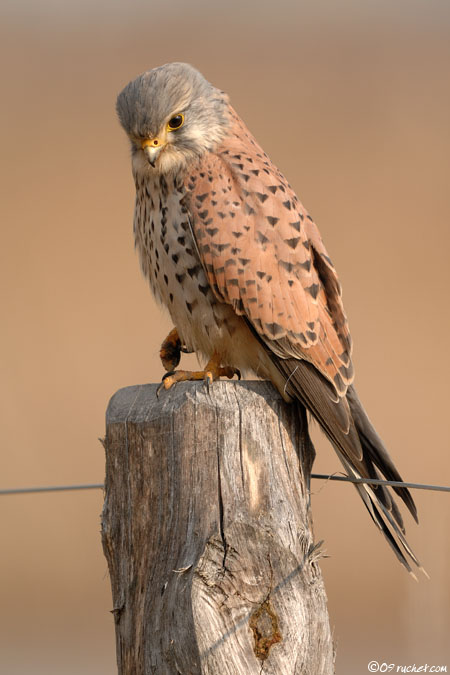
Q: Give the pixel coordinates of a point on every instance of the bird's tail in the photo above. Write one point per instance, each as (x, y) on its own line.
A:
(360, 449)
(378, 499)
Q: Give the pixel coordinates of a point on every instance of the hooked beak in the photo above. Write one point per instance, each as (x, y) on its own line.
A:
(152, 147)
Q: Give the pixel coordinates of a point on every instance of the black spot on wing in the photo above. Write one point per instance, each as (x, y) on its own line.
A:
(288, 266)
(292, 242)
(220, 247)
(261, 238)
(313, 290)
(274, 330)
(212, 231)
(305, 265)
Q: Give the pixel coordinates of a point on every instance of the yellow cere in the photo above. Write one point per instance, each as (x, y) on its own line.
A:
(151, 142)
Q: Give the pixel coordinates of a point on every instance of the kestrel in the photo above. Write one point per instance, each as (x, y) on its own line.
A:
(239, 263)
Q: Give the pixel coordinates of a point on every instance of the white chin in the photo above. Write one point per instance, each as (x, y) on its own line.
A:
(170, 162)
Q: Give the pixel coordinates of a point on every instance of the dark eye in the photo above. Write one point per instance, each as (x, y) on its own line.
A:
(175, 122)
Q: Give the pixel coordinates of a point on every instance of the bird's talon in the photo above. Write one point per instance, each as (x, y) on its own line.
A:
(166, 382)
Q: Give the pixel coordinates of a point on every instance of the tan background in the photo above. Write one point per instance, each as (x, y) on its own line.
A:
(352, 101)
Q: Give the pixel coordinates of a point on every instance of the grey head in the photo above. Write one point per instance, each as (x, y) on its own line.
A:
(172, 116)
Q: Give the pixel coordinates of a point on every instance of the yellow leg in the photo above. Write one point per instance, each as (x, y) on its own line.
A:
(213, 370)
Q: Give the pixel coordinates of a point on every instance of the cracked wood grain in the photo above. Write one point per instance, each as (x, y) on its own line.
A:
(207, 531)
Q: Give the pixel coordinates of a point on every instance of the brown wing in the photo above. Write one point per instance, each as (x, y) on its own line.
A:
(264, 255)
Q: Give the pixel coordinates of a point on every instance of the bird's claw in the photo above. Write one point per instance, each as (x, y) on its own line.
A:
(162, 384)
(215, 374)
(208, 376)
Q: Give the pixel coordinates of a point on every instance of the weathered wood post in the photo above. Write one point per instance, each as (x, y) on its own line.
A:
(207, 531)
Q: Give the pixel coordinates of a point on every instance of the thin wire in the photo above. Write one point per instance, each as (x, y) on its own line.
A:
(320, 476)
(52, 488)
(377, 481)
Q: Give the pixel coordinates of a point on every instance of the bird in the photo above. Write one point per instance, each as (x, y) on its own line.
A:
(232, 254)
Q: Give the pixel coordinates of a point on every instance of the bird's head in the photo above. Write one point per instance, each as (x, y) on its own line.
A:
(172, 115)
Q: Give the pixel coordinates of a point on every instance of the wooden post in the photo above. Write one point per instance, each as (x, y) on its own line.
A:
(207, 531)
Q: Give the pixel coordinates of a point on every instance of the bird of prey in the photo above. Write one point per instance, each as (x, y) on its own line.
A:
(240, 265)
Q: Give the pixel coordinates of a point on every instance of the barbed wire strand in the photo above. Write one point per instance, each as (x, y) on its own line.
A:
(319, 476)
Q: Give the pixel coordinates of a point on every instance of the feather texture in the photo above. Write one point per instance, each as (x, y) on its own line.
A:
(264, 255)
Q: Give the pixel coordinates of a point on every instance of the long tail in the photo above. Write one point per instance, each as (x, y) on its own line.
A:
(358, 446)
(378, 499)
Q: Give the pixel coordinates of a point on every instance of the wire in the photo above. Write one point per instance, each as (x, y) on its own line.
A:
(377, 481)
(320, 476)
(52, 488)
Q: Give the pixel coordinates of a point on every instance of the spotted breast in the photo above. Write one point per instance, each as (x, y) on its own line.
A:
(170, 261)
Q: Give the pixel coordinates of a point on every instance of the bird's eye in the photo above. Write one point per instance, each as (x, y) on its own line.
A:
(175, 122)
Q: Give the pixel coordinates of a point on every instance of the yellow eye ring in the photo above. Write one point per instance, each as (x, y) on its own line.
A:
(175, 122)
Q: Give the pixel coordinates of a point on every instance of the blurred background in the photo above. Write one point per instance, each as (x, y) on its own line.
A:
(351, 99)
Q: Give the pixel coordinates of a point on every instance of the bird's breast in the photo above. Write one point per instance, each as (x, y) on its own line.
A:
(170, 261)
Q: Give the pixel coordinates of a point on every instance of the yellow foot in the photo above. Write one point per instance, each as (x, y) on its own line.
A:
(213, 371)
(171, 349)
